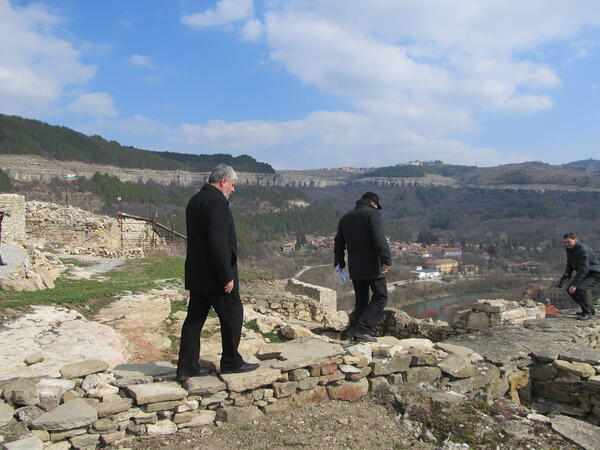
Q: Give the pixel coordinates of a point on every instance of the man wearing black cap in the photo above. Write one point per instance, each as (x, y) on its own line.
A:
(361, 232)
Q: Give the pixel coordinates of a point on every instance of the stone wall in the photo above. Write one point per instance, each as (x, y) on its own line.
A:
(13, 227)
(79, 232)
(488, 313)
(326, 297)
(91, 405)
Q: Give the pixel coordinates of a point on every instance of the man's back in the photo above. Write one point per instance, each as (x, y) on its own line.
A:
(211, 246)
(361, 232)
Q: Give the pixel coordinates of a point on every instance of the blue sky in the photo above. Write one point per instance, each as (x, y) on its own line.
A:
(313, 83)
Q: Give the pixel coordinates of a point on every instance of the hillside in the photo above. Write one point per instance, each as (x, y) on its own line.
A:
(19, 136)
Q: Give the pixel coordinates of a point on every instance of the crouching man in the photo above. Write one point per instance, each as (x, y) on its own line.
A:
(581, 259)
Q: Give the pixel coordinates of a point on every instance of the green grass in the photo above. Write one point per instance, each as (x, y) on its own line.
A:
(250, 275)
(76, 262)
(135, 275)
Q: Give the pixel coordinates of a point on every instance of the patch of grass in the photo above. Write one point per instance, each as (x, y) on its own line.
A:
(250, 275)
(133, 276)
(271, 336)
(76, 262)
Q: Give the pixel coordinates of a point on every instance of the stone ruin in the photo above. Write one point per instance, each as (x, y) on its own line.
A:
(13, 227)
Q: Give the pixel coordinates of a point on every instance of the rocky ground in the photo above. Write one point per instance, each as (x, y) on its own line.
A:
(386, 419)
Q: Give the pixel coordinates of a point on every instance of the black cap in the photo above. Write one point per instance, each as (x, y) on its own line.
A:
(373, 197)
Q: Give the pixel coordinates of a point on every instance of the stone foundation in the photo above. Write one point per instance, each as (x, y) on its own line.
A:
(326, 297)
(94, 406)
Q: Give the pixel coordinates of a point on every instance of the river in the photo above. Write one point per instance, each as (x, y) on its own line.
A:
(444, 308)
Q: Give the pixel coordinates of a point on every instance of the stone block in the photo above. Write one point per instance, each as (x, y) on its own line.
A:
(162, 406)
(478, 321)
(28, 443)
(423, 359)
(326, 297)
(285, 389)
(240, 382)
(232, 414)
(219, 397)
(497, 388)
(85, 441)
(110, 438)
(161, 427)
(458, 366)
(76, 413)
(105, 425)
(347, 368)
(348, 390)
(398, 363)
(395, 379)
(141, 418)
(113, 407)
(365, 371)
(316, 395)
(269, 351)
(298, 374)
(60, 435)
(295, 332)
(423, 374)
(156, 392)
(543, 372)
(378, 383)
(83, 368)
(22, 392)
(6, 413)
(28, 414)
(337, 376)
(34, 358)
(243, 400)
(577, 368)
(308, 383)
(301, 353)
(329, 368)
(199, 418)
(203, 385)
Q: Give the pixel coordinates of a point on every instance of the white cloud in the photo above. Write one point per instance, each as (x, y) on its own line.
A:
(252, 30)
(97, 104)
(36, 67)
(140, 61)
(225, 12)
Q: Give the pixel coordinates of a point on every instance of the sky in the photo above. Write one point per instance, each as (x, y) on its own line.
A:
(306, 84)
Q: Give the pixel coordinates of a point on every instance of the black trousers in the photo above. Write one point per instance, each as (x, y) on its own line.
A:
(583, 293)
(367, 313)
(231, 315)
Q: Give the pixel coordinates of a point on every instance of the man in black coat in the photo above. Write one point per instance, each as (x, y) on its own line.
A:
(361, 232)
(211, 276)
(581, 259)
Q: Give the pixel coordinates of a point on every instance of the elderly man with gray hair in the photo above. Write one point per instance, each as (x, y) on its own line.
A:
(211, 276)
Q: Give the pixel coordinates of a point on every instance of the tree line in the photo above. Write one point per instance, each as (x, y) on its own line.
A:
(31, 137)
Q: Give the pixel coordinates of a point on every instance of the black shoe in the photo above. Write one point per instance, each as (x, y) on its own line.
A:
(3, 264)
(363, 337)
(593, 310)
(580, 313)
(586, 316)
(246, 367)
(347, 334)
(201, 372)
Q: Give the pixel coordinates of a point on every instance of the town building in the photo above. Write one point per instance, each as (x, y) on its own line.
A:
(443, 265)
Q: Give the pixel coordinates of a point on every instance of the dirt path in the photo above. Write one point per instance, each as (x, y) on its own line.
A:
(98, 265)
(14, 257)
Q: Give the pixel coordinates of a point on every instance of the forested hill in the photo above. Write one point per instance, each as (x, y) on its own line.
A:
(32, 137)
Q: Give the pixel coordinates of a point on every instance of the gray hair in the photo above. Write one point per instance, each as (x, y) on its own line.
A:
(222, 171)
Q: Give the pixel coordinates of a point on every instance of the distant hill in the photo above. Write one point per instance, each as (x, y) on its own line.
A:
(32, 137)
(592, 165)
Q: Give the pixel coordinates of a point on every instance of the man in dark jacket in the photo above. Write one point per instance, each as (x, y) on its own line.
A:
(211, 276)
(581, 259)
(361, 232)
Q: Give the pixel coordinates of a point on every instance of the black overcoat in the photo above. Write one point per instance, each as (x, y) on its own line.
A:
(211, 260)
(361, 232)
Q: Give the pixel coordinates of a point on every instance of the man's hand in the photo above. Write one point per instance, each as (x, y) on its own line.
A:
(563, 279)
(229, 287)
(384, 268)
(572, 289)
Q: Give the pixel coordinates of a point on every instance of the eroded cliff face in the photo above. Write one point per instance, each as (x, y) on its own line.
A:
(33, 168)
